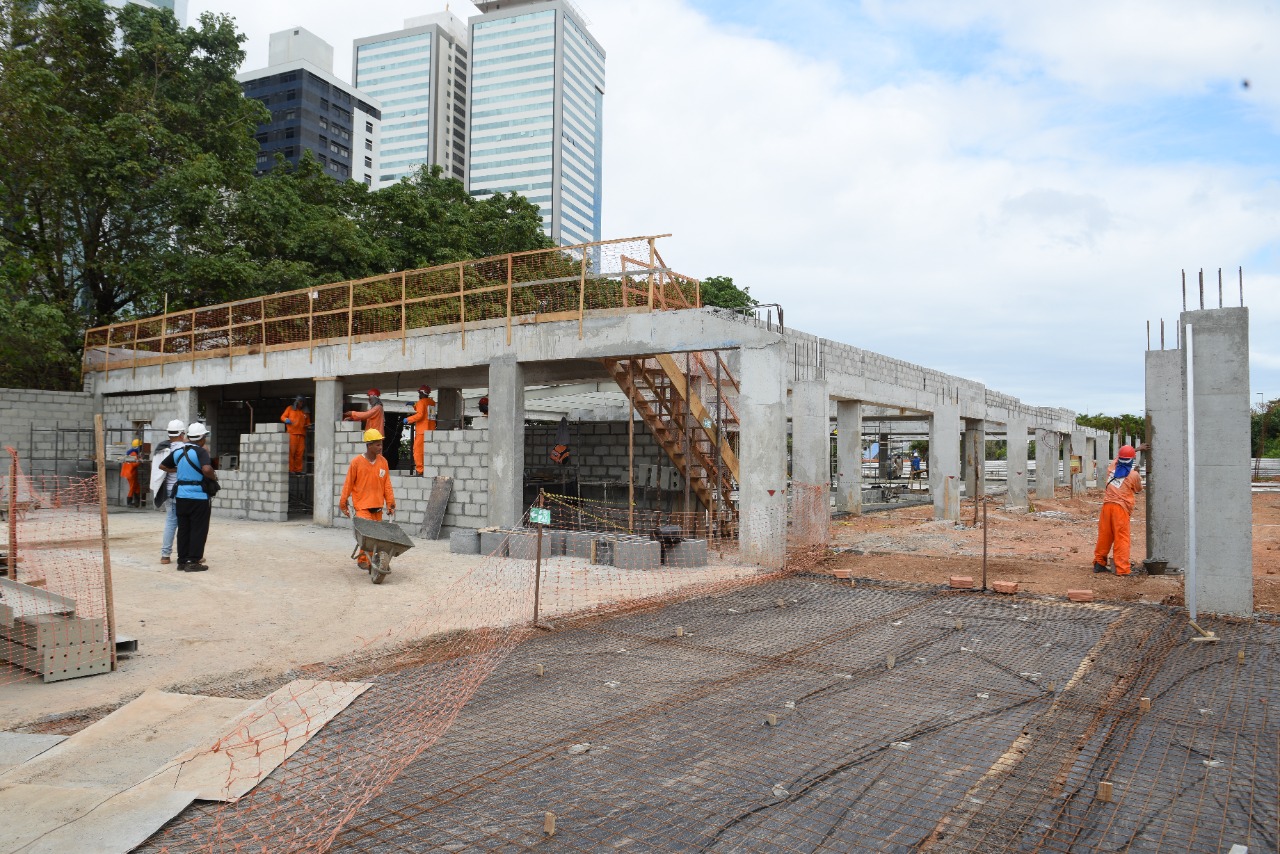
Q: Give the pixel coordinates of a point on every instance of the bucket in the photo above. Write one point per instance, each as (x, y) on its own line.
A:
(1155, 567)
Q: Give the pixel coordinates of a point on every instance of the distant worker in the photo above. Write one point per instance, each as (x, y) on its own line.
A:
(484, 406)
(368, 486)
(422, 419)
(1123, 485)
(163, 484)
(916, 474)
(129, 473)
(296, 421)
(193, 465)
(372, 417)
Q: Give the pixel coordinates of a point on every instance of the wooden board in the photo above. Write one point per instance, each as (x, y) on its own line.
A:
(437, 504)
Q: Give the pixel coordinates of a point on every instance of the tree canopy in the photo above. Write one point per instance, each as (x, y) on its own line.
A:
(127, 165)
(722, 292)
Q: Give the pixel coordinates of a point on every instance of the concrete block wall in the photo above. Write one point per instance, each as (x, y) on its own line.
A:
(22, 408)
(122, 411)
(460, 454)
(599, 449)
(259, 490)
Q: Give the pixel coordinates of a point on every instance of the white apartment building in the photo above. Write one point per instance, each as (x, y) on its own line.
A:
(419, 75)
(536, 112)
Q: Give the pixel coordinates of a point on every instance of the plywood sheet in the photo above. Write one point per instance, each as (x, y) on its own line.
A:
(18, 747)
(130, 744)
(58, 819)
(259, 739)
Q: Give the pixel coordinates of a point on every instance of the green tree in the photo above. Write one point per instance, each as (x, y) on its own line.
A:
(1264, 429)
(721, 291)
(1125, 425)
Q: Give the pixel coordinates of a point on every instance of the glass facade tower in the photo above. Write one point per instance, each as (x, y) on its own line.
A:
(419, 74)
(536, 120)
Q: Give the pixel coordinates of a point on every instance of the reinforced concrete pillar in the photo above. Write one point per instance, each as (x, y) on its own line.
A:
(1089, 456)
(1016, 461)
(1076, 449)
(885, 464)
(1102, 458)
(328, 412)
(1223, 521)
(975, 457)
(506, 441)
(810, 433)
(944, 461)
(1046, 462)
(187, 403)
(849, 456)
(762, 484)
(449, 408)
(1166, 486)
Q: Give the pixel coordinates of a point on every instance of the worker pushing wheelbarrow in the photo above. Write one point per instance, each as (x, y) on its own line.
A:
(368, 490)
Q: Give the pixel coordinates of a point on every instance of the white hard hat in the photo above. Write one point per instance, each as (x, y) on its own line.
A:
(196, 431)
(176, 427)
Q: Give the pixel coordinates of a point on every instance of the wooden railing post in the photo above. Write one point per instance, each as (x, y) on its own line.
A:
(582, 293)
(106, 362)
(312, 295)
(231, 334)
(351, 313)
(135, 348)
(462, 304)
(652, 262)
(164, 331)
(404, 317)
(262, 320)
(510, 278)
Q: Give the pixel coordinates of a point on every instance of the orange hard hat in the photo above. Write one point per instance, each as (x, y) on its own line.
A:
(373, 392)
(1127, 452)
(424, 389)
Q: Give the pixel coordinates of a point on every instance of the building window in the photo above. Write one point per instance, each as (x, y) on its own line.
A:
(289, 133)
(368, 127)
(368, 145)
(368, 163)
(368, 179)
(324, 104)
(324, 123)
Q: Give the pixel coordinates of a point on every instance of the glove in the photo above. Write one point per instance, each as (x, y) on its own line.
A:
(345, 511)
(288, 421)
(346, 416)
(391, 511)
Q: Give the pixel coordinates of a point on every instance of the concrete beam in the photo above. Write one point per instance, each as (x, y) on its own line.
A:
(1046, 462)
(1016, 455)
(944, 461)
(328, 413)
(849, 456)
(506, 441)
(762, 491)
(975, 458)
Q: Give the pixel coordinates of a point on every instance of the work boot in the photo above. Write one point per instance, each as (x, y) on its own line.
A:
(165, 561)
(192, 567)
(1100, 567)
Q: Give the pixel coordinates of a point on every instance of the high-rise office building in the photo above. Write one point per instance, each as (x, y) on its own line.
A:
(536, 112)
(419, 74)
(177, 7)
(311, 110)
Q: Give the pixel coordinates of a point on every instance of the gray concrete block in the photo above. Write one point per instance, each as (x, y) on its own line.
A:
(688, 553)
(557, 540)
(493, 543)
(637, 554)
(578, 543)
(464, 541)
(523, 545)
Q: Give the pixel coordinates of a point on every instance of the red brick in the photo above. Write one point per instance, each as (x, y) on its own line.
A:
(1080, 595)
(962, 582)
(842, 573)
(1009, 587)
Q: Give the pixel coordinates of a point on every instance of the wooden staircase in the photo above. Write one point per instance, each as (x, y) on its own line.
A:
(688, 401)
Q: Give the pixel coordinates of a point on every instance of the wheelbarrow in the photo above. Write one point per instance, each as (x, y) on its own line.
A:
(381, 541)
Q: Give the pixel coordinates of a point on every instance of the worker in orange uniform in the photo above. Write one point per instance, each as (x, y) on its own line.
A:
(129, 473)
(372, 417)
(368, 486)
(1123, 485)
(296, 421)
(422, 419)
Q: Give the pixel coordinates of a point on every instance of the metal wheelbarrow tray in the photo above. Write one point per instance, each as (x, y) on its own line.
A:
(382, 541)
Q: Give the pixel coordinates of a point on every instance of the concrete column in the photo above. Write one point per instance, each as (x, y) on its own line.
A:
(885, 466)
(1046, 462)
(1166, 485)
(1102, 458)
(849, 456)
(810, 433)
(1016, 457)
(1089, 456)
(975, 457)
(328, 412)
(506, 441)
(449, 408)
(762, 507)
(944, 461)
(1076, 448)
(1224, 503)
(186, 402)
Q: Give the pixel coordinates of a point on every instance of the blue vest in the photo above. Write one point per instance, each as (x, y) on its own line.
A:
(190, 473)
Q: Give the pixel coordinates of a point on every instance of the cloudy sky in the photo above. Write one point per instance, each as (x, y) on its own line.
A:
(1004, 191)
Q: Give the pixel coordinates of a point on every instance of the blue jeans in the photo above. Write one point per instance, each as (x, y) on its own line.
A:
(170, 527)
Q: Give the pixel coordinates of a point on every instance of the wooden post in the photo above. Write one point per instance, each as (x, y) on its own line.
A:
(135, 348)
(510, 278)
(537, 568)
(462, 304)
(1106, 792)
(404, 317)
(697, 293)
(984, 541)
(631, 446)
(582, 293)
(164, 332)
(106, 362)
(351, 314)
(100, 440)
(230, 341)
(11, 563)
(652, 262)
(193, 340)
(262, 327)
(312, 293)
(626, 302)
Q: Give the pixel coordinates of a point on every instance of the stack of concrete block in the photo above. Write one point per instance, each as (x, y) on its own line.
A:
(20, 409)
(464, 541)
(40, 632)
(687, 553)
(259, 490)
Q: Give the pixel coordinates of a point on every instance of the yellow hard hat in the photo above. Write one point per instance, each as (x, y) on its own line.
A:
(137, 443)
(372, 436)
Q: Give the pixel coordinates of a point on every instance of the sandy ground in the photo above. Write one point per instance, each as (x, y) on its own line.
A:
(279, 596)
(1046, 551)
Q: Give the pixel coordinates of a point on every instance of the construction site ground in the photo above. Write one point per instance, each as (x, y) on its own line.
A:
(1047, 550)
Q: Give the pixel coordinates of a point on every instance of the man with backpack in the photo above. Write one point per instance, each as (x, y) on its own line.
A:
(194, 468)
(163, 484)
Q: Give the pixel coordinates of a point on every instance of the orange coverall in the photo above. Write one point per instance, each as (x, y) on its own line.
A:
(368, 485)
(423, 419)
(297, 437)
(1113, 524)
(372, 419)
(129, 474)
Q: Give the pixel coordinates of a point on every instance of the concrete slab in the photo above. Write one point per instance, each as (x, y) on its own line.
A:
(58, 819)
(257, 740)
(18, 747)
(464, 541)
(156, 727)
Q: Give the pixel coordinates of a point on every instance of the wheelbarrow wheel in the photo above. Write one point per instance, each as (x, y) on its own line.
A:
(380, 567)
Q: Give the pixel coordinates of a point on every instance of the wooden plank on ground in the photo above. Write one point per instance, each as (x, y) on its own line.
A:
(437, 504)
